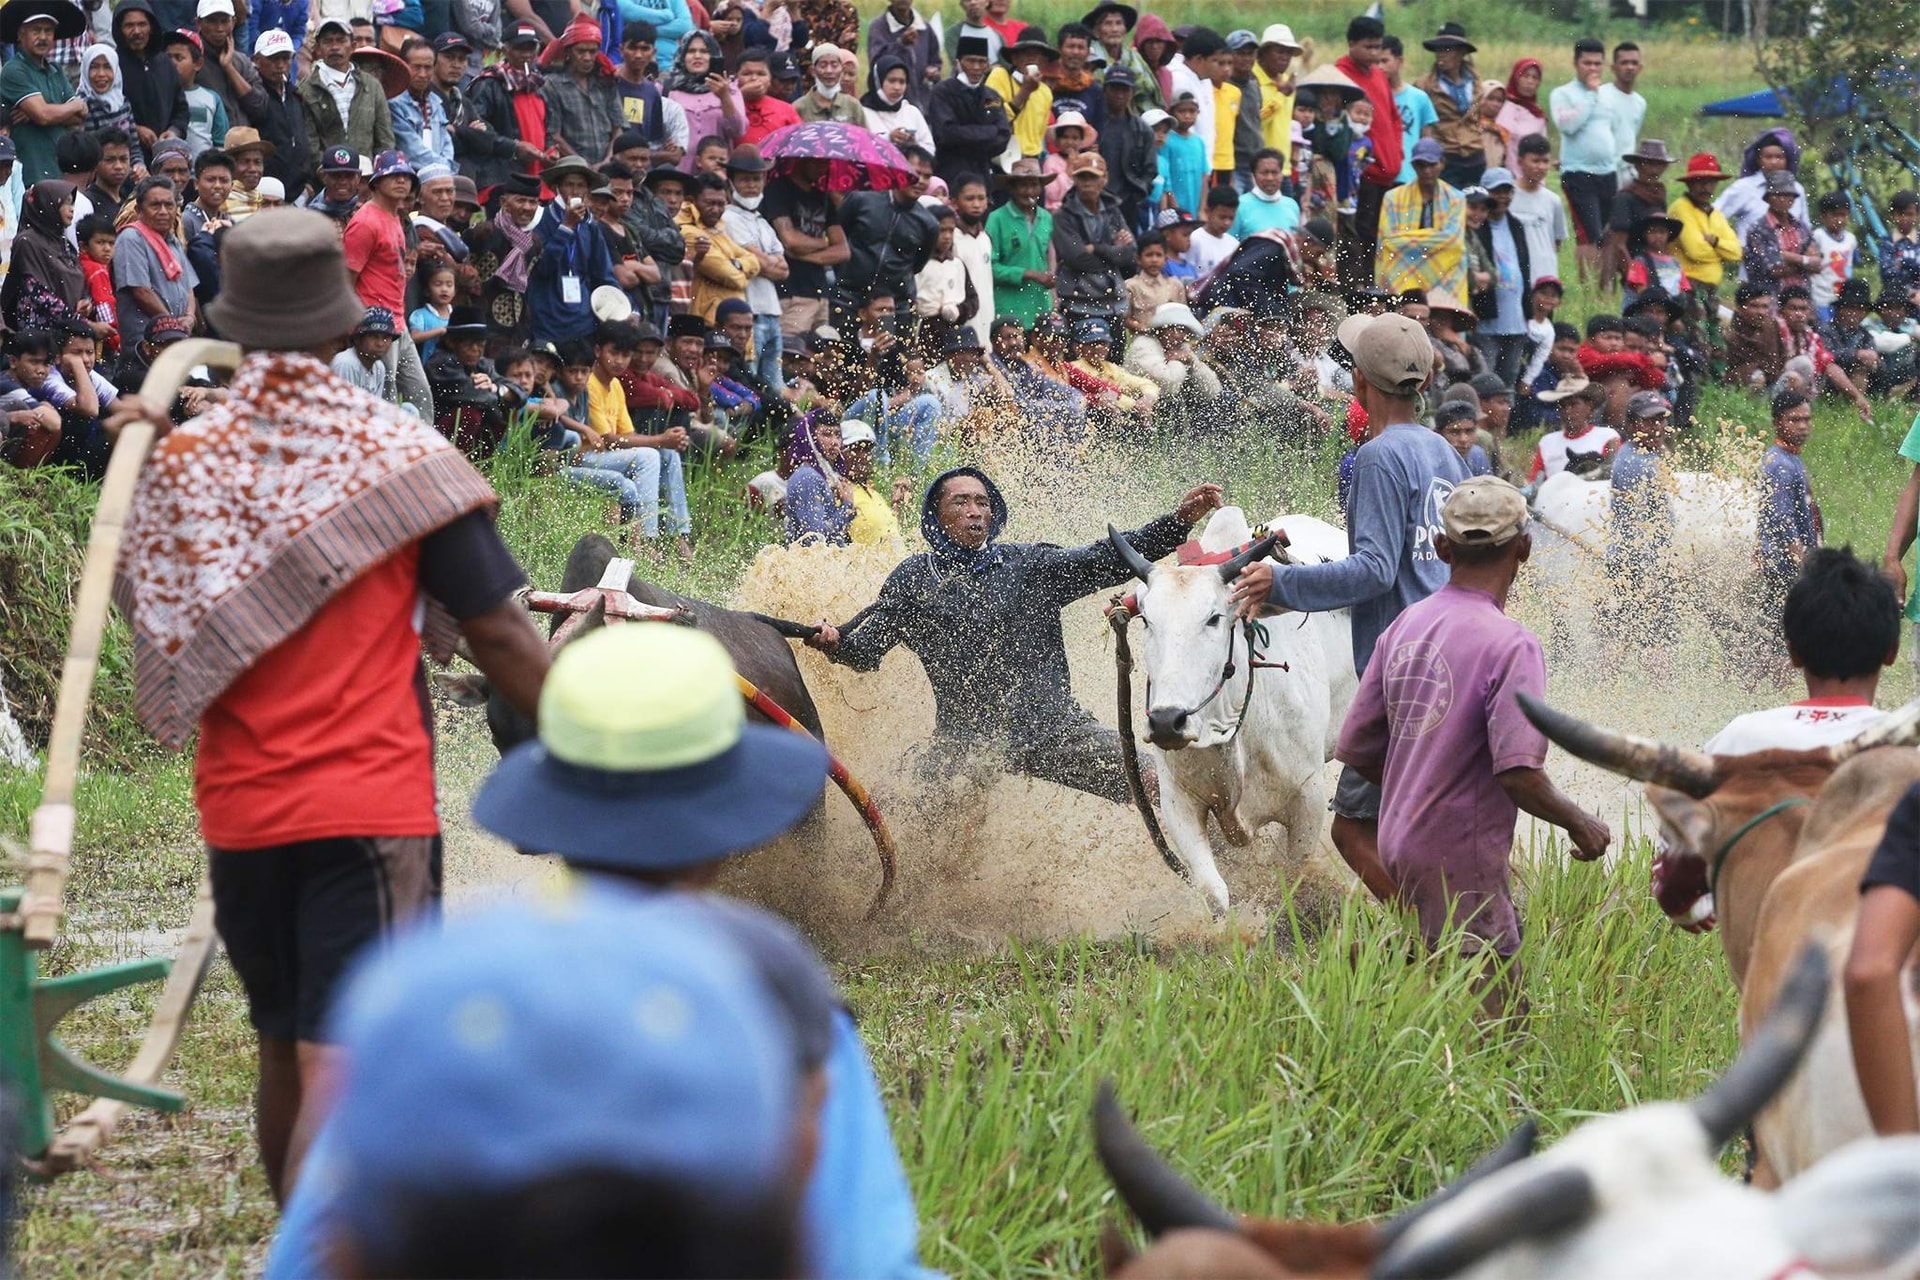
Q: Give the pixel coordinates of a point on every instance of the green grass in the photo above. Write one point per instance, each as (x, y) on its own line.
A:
(1319, 1071)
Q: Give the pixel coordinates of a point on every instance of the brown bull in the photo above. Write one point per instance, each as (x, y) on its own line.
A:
(759, 651)
(1194, 1237)
(1780, 840)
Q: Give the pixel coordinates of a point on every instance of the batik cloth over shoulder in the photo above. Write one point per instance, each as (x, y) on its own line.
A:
(249, 518)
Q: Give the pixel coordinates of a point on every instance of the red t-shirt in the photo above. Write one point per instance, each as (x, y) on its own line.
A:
(377, 249)
(766, 114)
(327, 734)
(100, 288)
(1385, 131)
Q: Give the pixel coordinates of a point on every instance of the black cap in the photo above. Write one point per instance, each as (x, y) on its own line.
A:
(1854, 293)
(520, 33)
(340, 160)
(449, 41)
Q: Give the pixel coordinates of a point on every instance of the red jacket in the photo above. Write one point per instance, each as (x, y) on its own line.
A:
(1385, 132)
(650, 391)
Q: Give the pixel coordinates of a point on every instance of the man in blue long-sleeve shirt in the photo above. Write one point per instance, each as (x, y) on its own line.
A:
(1401, 478)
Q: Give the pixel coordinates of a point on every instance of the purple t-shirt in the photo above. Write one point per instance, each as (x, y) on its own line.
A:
(1436, 714)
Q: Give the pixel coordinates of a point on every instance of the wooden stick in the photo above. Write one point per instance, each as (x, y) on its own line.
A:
(88, 1131)
(50, 836)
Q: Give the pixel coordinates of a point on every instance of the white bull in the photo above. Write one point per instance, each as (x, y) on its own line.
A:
(1241, 722)
(1714, 516)
(1640, 1195)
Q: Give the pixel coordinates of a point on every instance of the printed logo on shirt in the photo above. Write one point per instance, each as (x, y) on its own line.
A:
(1418, 684)
(1438, 491)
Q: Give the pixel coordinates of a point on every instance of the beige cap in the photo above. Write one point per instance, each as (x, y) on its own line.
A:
(1390, 351)
(1484, 511)
(1571, 389)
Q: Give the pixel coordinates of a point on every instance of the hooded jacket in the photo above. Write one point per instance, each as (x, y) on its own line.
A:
(1157, 89)
(154, 92)
(1093, 269)
(985, 624)
(1744, 199)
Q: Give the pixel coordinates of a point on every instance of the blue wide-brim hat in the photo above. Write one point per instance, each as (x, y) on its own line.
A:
(645, 762)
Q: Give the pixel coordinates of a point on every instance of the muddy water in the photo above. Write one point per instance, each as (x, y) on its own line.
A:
(985, 857)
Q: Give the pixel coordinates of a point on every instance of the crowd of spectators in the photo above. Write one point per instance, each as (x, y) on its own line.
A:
(598, 236)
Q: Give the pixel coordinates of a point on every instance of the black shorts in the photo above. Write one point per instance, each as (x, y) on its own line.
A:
(1590, 200)
(293, 917)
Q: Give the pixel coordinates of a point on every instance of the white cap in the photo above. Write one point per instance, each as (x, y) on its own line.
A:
(1281, 34)
(1175, 314)
(271, 42)
(1153, 116)
(853, 432)
(207, 8)
(271, 189)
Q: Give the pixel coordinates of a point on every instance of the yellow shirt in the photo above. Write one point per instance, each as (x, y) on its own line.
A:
(1276, 115)
(1030, 126)
(1226, 114)
(607, 407)
(873, 519)
(1703, 262)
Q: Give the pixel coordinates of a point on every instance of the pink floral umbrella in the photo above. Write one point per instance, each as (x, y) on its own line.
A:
(857, 159)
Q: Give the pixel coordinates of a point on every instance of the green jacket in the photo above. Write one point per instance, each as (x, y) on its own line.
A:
(1018, 248)
(369, 132)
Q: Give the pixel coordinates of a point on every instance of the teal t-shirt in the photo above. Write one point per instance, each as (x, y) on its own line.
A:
(1910, 450)
(21, 79)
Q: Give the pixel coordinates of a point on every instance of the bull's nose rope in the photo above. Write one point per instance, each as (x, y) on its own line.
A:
(1720, 858)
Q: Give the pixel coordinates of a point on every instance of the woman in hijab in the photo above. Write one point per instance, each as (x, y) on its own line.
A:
(1522, 114)
(713, 106)
(45, 285)
(148, 79)
(890, 113)
(819, 496)
(105, 92)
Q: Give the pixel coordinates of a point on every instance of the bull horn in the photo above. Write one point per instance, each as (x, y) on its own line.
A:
(1896, 729)
(1517, 1146)
(1769, 1060)
(1159, 1197)
(1679, 768)
(1137, 564)
(1551, 1201)
(1260, 550)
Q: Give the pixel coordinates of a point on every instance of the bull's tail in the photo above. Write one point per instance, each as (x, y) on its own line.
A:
(862, 801)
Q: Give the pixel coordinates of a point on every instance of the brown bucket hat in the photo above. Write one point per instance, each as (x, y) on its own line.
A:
(286, 286)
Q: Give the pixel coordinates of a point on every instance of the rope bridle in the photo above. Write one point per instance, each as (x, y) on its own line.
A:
(1256, 634)
(1726, 847)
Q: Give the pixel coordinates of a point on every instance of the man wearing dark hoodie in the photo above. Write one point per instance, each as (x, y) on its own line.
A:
(154, 93)
(983, 617)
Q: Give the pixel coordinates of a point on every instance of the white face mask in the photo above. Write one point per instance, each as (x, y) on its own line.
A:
(891, 99)
(826, 90)
(749, 202)
(966, 80)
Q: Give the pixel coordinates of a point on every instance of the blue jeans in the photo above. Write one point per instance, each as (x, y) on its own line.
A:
(647, 471)
(767, 346)
(918, 419)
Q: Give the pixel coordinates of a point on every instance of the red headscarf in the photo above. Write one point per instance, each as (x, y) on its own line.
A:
(1531, 101)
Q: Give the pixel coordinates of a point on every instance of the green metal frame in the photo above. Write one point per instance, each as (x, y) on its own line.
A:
(33, 1062)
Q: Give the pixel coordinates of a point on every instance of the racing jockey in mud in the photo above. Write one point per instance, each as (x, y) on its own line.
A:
(983, 617)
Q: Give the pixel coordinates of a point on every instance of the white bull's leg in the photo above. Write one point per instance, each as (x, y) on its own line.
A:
(1184, 821)
(1305, 817)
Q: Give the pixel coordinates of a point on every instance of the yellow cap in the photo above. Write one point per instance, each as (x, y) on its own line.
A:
(641, 696)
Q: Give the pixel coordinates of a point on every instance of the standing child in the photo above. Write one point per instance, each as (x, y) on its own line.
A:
(1151, 286)
(1214, 242)
(1650, 265)
(206, 110)
(1359, 152)
(1480, 265)
(1177, 228)
(96, 236)
(1789, 525)
(1835, 245)
(1641, 608)
(943, 295)
(428, 323)
(1183, 158)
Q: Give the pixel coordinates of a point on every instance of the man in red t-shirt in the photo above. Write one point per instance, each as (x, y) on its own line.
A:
(290, 551)
(765, 112)
(1362, 66)
(380, 261)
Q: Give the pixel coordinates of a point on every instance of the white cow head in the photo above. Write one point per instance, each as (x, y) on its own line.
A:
(1641, 1195)
(1196, 654)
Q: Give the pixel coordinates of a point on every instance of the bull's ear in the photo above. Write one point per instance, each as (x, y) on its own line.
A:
(1857, 1213)
(467, 689)
(1688, 818)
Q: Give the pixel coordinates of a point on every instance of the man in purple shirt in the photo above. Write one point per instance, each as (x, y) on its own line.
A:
(1437, 725)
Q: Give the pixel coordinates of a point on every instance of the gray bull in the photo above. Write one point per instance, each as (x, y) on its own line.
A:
(759, 651)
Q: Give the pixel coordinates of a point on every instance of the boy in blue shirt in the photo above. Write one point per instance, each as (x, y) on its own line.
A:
(1640, 528)
(1789, 525)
